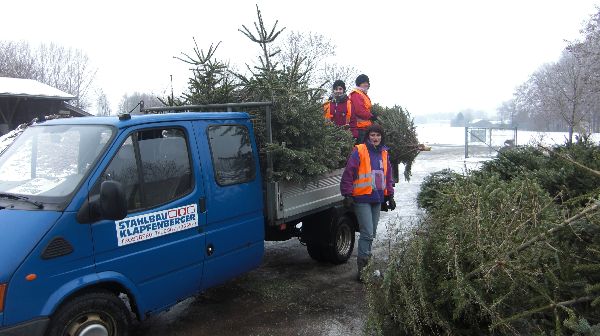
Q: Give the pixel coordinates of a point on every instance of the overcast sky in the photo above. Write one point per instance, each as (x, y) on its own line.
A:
(428, 56)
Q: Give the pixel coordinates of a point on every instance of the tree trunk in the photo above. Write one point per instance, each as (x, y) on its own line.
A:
(571, 125)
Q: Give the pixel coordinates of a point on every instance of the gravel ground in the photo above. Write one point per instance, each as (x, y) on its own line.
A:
(290, 294)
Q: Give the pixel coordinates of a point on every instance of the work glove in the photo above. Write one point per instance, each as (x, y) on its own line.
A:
(423, 147)
(390, 203)
(373, 116)
(384, 206)
(348, 202)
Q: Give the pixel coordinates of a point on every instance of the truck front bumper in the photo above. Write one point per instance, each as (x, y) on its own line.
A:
(30, 328)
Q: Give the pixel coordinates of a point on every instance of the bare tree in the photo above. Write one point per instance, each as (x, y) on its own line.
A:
(17, 60)
(507, 112)
(102, 104)
(571, 91)
(566, 94)
(558, 95)
(331, 72)
(315, 50)
(529, 112)
(587, 52)
(312, 47)
(66, 69)
(129, 102)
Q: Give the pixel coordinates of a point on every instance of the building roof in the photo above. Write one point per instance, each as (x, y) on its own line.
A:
(29, 88)
(75, 110)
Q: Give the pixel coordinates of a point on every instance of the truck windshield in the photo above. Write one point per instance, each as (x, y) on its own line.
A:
(47, 162)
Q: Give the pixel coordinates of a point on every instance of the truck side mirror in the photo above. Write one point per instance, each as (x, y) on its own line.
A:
(113, 204)
(110, 204)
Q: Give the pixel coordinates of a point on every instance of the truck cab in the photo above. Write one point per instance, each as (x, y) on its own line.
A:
(147, 210)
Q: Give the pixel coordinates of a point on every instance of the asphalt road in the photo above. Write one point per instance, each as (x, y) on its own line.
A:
(290, 294)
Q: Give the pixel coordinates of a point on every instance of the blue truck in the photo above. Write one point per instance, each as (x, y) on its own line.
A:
(105, 220)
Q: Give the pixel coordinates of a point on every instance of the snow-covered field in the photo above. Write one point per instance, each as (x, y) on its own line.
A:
(443, 134)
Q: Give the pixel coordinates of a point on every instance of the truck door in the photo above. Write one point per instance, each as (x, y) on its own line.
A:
(158, 246)
(234, 224)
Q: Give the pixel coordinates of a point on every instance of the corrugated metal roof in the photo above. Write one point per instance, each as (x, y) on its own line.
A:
(18, 87)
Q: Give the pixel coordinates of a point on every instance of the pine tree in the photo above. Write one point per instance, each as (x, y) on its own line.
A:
(401, 136)
(305, 145)
(212, 81)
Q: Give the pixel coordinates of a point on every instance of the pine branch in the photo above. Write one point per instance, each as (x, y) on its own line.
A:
(540, 237)
(543, 308)
(567, 158)
(561, 226)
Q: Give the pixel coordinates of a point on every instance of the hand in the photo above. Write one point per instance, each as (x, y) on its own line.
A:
(391, 204)
(373, 116)
(384, 206)
(348, 202)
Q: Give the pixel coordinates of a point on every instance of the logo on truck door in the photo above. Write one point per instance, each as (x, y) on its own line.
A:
(152, 225)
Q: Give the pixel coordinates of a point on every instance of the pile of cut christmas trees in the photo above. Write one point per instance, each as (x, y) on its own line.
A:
(305, 144)
(510, 249)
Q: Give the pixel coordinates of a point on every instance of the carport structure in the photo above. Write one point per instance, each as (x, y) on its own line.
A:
(22, 100)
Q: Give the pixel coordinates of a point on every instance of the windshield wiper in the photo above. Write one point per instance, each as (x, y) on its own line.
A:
(39, 205)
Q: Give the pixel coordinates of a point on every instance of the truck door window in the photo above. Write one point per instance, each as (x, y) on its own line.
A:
(165, 163)
(232, 157)
(123, 168)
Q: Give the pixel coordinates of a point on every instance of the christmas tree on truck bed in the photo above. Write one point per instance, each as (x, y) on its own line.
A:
(305, 144)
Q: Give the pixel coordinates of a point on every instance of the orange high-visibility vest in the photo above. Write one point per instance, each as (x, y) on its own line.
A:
(327, 110)
(364, 183)
(362, 123)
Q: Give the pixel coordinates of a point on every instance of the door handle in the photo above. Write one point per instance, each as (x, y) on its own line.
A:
(210, 249)
(202, 205)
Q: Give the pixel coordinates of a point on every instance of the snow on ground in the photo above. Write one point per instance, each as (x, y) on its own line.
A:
(405, 192)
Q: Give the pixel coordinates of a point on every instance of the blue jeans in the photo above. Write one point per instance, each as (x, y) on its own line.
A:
(367, 215)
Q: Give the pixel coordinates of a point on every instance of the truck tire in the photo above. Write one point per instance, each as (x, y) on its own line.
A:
(316, 252)
(341, 240)
(91, 314)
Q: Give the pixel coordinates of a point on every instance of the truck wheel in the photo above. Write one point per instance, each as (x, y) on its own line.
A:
(93, 314)
(316, 251)
(341, 242)
(313, 234)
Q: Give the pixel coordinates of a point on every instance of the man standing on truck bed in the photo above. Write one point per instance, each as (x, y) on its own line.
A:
(367, 183)
(338, 108)
(361, 107)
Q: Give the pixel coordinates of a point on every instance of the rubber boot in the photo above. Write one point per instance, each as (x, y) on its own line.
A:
(361, 263)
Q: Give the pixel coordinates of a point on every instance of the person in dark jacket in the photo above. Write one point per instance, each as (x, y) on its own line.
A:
(338, 108)
(367, 183)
